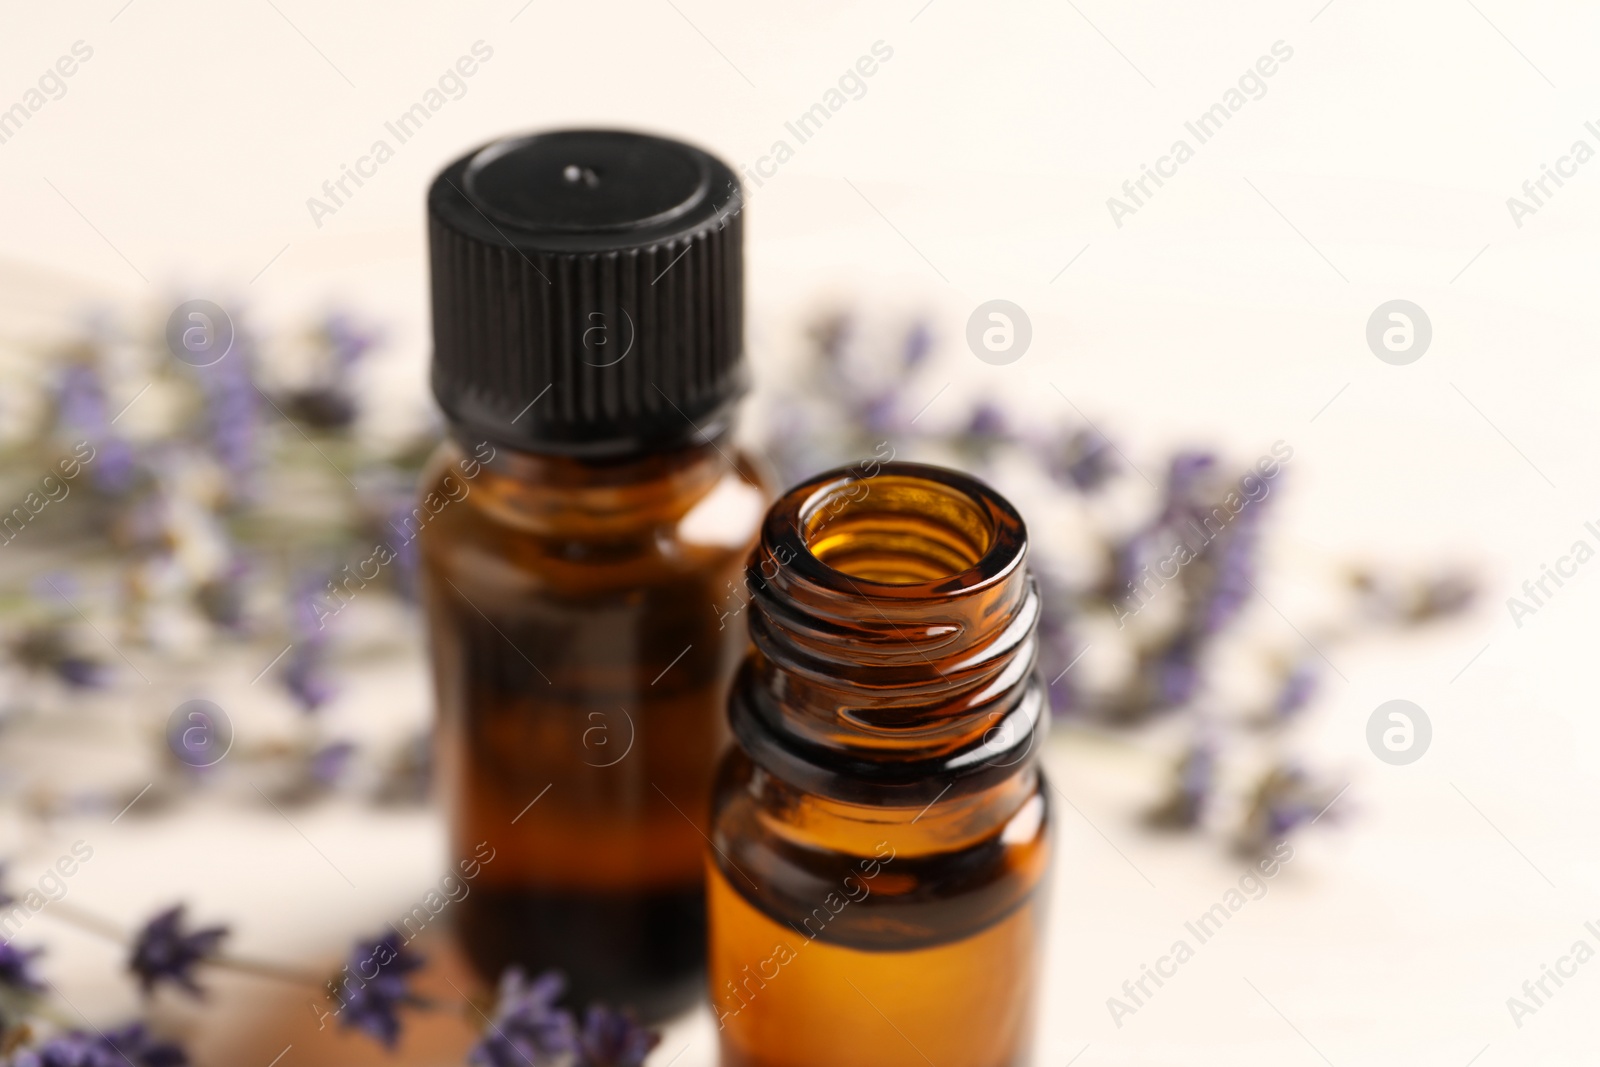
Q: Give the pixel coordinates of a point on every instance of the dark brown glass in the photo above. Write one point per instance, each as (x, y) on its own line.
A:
(584, 634)
(880, 836)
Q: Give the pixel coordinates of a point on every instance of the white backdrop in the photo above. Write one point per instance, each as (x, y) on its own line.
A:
(1230, 306)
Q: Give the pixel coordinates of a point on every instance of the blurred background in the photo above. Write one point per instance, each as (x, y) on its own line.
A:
(1114, 257)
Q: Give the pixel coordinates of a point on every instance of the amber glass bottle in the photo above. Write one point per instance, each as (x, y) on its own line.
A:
(880, 835)
(580, 534)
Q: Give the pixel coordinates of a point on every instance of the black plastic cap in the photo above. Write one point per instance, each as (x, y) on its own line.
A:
(588, 293)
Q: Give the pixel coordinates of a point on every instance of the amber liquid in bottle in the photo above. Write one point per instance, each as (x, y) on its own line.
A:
(583, 640)
(880, 835)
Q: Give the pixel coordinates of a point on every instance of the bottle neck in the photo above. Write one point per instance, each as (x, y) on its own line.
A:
(548, 494)
(893, 619)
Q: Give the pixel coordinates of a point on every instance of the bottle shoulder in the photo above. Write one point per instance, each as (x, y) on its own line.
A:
(703, 511)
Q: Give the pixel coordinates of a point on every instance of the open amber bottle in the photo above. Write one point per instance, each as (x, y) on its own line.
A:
(580, 534)
(880, 835)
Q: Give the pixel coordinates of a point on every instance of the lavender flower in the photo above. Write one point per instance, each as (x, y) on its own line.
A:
(82, 411)
(80, 672)
(407, 554)
(1194, 778)
(328, 764)
(879, 414)
(164, 952)
(1284, 799)
(918, 343)
(16, 967)
(1232, 580)
(1176, 671)
(47, 649)
(1128, 561)
(222, 598)
(1410, 601)
(1446, 594)
(375, 986)
(830, 334)
(305, 670)
(527, 1027)
(987, 424)
(1297, 689)
(129, 1045)
(1086, 461)
(1187, 479)
(330, 404)
(985, 432)
(233, 415)
(613, 1039)
(348, 341)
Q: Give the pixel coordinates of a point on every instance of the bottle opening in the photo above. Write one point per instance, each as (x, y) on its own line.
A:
(896, 529)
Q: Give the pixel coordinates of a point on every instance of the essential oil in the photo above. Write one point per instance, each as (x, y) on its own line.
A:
(585, 520)
(880, 834)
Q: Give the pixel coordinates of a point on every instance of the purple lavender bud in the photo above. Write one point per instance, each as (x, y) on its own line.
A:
(1177, 672)
(987, 423)
(305, 679)
(1197, 772)
(1235, 568)
(1086, 462)
(348, 342)
(880, 414)
(1285, 803)
(918, 343)
(1128, 561)
(305, 673)
(128, 1046)
(164, 952)
(82, 411)
(80, 400)
(831, 335)
(16, 968)
(1186, 480)
(527, 1027)
(375, 985)
(1283, 800)
(1447, 594)
(223, 597)
(329, 763)
(613, 1039)
(80, 672)
(115, 465)
(233, 414)
(1194, 779)
(1297, 689)
(407, 556)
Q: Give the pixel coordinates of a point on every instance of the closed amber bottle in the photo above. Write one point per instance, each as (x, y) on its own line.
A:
(584, 526)
(881, 832)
